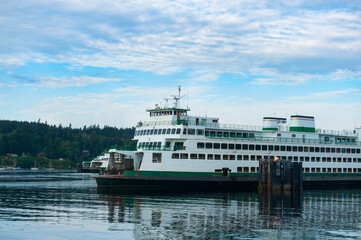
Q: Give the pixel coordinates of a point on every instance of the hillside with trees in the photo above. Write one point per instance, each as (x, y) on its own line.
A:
(40, 142)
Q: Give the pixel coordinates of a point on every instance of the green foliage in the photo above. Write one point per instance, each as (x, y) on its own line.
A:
(58, 142)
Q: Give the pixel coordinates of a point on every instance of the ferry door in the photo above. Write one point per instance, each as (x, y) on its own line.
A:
(197, 121)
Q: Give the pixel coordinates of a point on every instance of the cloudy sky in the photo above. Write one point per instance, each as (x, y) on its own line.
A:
(89, 62)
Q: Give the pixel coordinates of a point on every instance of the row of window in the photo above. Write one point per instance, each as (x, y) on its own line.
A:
(229, 134)
(309, 170)
(202, 156)
(282, 148)
(161, 131)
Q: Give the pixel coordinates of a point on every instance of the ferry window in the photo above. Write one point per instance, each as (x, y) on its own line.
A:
(217, 157)
(348, 150)
(224, 145)
(200, 145)
(270, 148)
(239, 157)
(167, 144)
(245, 135)
(259, 157)
(212, 133)
(359, 160)
(278, 134)
(312, 149)
(313, 159)
(253, 169)
(175, 156)
(293, 135)
(219, 134)
(178, 146)
(349, 159)
(159, 131)
(164, 130)
(184, 155)
(305, 149)
(307, 170)
(295, 158)
(231, 146)
(264, 147)
(253, 157)
(294, 149)
(283, 148)
(307, 159)
(328, 150)
(251, 135)
(148, 131)
(322, 149)
(328, 159)
(313, 169)
(210, 156)
(201, 156)
(245, 157)
(277, 148)
(216, 145)
(324, 159)
(157, 157)
(317, 149)
(244, 147)
(207, 133)
(191, 131)
(226, 134)
(288, 148)
(301, 159)
(246, 169)
(173, 130)
(155, 131)
(200, 132)
(193, 156)
(225, 157)
(251, 147)
(209, 145)
(238, 146)
(353, 150)
(318, 159)
(339, 159)
(334, 159)
(151, 132)
(343, 150)
(338, 150)
(159, 143)
(239, 169)
(151, 144)
(178, 131)
(300, 149)
(214, 120)
(318, 169)
(357, 150)
(333, 150)
(232, 134)
(185, 131)
(239, 135)
(327, 139)
(283, 158)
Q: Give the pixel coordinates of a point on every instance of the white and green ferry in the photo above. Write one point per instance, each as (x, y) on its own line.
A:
(175, 149)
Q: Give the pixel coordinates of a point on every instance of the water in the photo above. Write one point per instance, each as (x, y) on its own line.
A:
(67, 205)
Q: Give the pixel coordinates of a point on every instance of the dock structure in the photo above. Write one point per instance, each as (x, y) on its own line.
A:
(277, 175)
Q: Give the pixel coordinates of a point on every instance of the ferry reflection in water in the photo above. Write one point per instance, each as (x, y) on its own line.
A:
(238, 215)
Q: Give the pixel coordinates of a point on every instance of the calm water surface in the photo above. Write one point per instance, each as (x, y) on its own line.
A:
(67, 205)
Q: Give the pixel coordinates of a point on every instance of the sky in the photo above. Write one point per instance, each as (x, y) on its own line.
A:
(90, 62)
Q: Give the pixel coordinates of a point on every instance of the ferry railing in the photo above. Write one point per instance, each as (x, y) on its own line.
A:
(125, 148)
(161, 148)
(285, 140)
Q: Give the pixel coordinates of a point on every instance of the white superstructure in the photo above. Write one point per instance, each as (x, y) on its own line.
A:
(171, 140)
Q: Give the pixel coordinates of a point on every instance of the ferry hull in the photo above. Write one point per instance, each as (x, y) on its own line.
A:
(215, 183)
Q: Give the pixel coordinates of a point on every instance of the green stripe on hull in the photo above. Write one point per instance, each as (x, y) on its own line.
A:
(183, 174)
(302, 129)
(270, 129)
(219, 174)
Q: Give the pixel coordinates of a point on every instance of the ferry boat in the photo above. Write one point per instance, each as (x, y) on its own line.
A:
(175, 149)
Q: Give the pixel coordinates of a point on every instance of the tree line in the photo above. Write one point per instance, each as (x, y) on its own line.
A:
(58, 142)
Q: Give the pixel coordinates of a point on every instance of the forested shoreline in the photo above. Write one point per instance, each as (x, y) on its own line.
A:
(25, 143)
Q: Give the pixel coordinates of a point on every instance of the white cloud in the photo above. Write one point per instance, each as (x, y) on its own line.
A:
(79, 81)
(329, 94)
